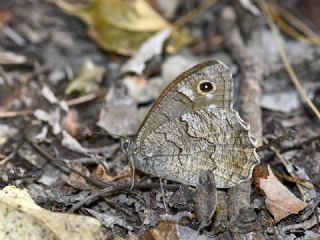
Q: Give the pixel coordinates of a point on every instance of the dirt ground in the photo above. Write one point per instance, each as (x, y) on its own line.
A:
(68, 99)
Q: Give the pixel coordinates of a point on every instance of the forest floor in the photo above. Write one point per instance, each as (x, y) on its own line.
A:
(68, 94)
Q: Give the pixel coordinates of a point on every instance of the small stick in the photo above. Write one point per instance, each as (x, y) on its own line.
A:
(301, 226)
(116, 188)
(276, 142)
(62, 166)
(10, 114)
(86, 98)
(193, 14)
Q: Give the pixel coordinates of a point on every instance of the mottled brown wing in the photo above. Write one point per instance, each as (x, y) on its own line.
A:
(187, 131)
(181, 96)
(207, 139)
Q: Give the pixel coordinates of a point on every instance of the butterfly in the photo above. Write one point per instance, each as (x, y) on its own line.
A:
(192, 128)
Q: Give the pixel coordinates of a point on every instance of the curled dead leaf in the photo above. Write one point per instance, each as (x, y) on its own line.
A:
(163, 230)
(259, 171)
(75, 180)
(280, 202)
(101, 174)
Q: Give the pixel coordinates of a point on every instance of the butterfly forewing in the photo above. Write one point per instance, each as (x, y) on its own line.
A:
(181, 96)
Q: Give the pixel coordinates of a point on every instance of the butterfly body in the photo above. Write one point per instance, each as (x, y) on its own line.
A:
(192, 128)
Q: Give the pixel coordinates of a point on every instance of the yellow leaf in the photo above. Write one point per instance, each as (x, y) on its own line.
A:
(21, 218)
(121, 26)
(87, 80)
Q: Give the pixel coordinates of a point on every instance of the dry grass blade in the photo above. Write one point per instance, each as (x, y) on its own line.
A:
(10, 114)
(297, 30)
(312, 36)
(194, 13)
(285, 59)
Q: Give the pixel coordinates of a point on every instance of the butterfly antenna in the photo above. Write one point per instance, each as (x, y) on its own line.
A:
(108, 134)
(276, 142)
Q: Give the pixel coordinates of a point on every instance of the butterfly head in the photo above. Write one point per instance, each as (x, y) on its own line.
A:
(127, 146)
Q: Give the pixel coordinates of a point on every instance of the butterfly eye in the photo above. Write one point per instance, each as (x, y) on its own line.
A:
(205, 87)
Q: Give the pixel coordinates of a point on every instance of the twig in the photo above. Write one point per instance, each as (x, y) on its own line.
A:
(72, 102)
(86, 98)
(300, 144)
(313, 37)
(117, 188)
(64, 167)
(277, 141)
(212, 43)
(193, 13)
(285, 59)
(301, 226)
(14, 36)
(287, 28)
(10, 114)
(5, 76)
(5, 159)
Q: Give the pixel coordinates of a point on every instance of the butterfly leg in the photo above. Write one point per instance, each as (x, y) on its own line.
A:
(163, 196)
(133, 170)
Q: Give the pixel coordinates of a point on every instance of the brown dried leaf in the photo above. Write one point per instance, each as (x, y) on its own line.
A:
(280, 201)
(163, 230)
(75, 180)
(71, 124)
(4, 17)
(173, 231)
(101, 174)
(259, 171)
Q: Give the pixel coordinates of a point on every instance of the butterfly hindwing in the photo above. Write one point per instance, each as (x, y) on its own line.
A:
(200, 140)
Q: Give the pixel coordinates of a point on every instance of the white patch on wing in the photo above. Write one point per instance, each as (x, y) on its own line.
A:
(186, 90)
(212, 106)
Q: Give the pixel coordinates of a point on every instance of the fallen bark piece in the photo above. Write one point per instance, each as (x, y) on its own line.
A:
(205, 199)
(173, 231)
(280, 201)
(22, 218)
